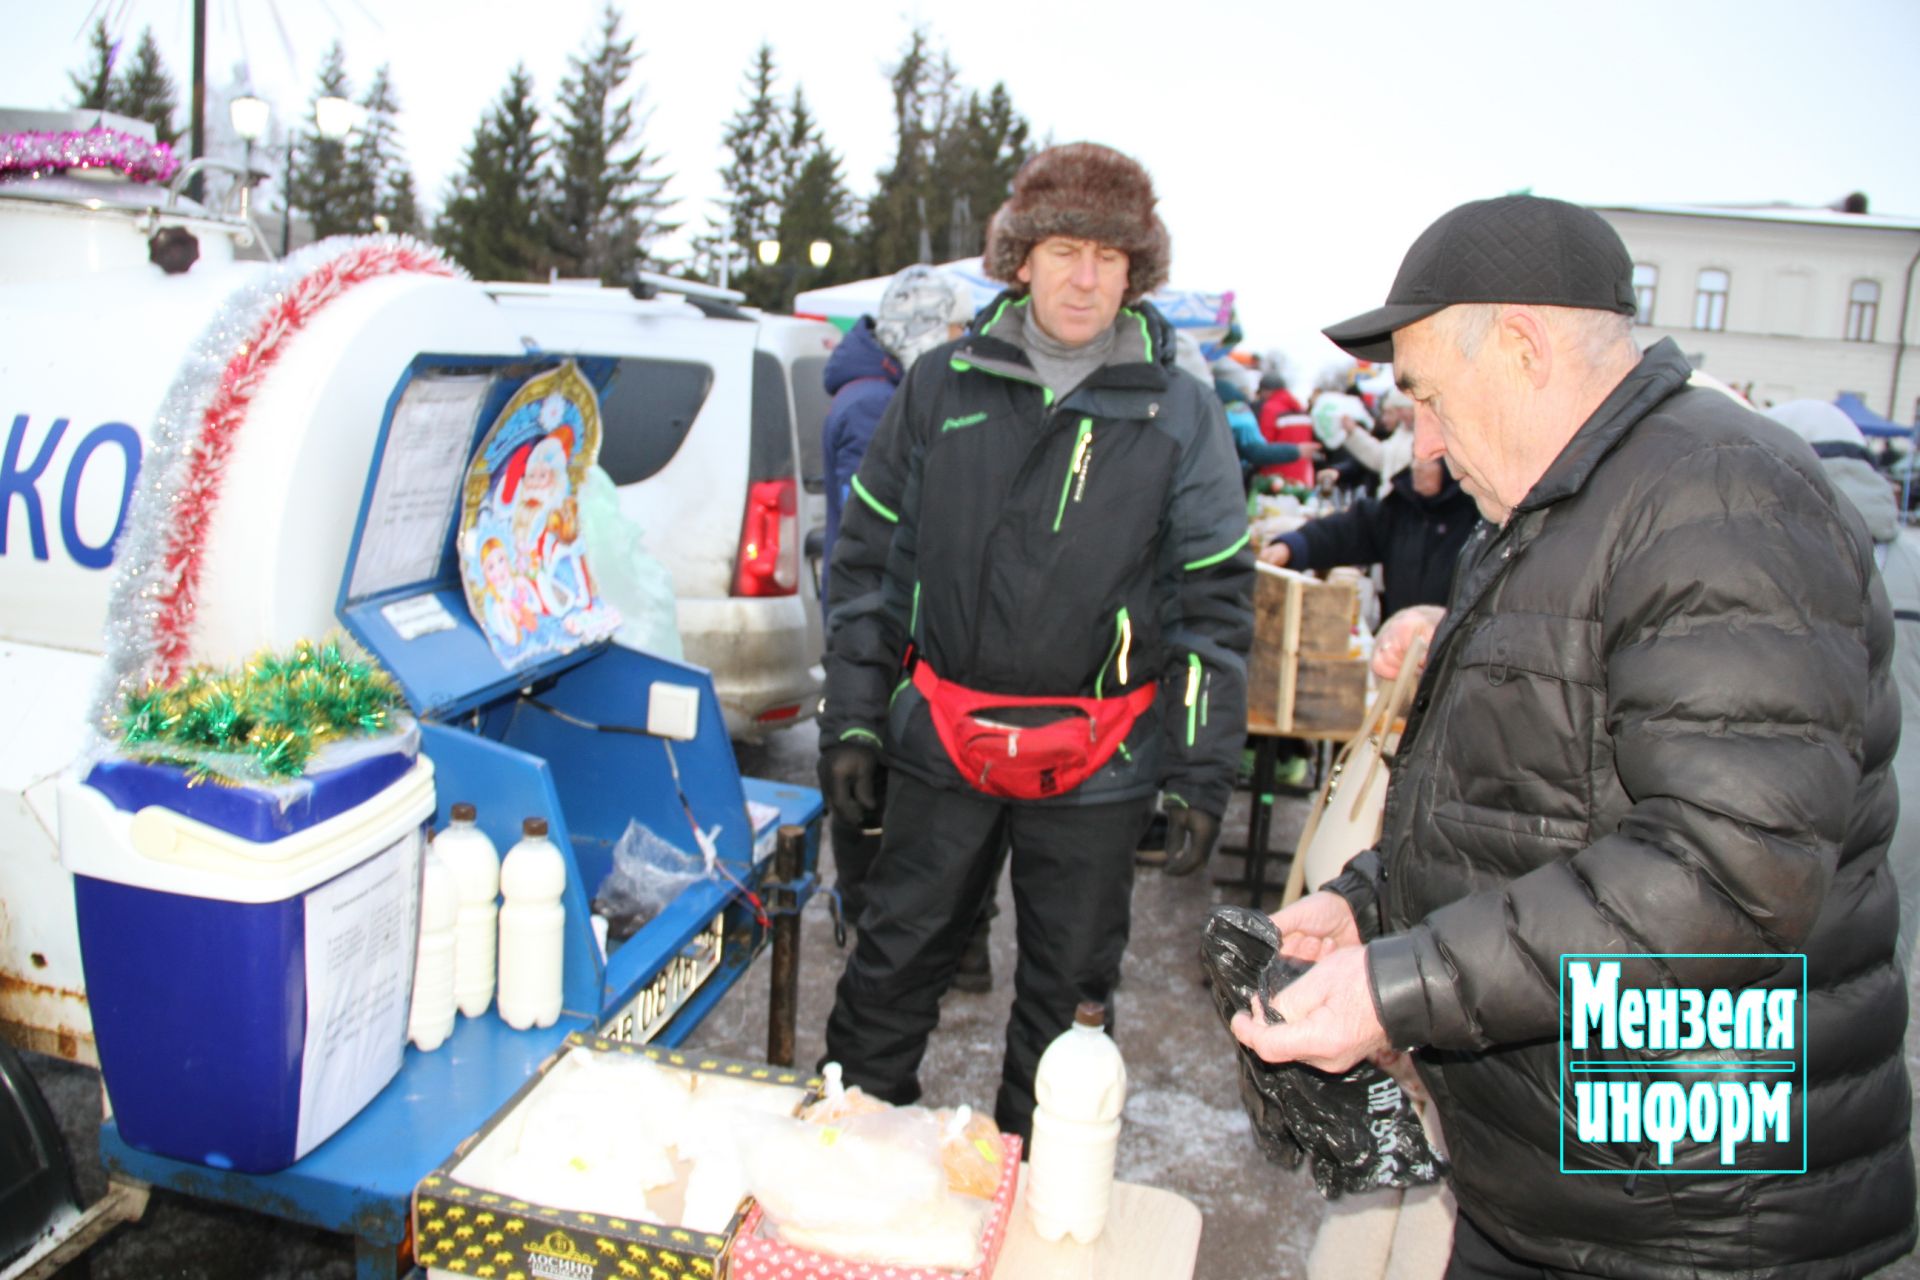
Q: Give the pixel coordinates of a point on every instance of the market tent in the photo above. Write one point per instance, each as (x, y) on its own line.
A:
(1867, 420)
(1204, 316)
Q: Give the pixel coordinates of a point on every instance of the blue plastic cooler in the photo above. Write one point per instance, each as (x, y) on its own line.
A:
(195, 942)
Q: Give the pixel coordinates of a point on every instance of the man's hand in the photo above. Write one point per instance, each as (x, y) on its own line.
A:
(1276, 552)
(1316, 926)
(849, 777)
(1327, 1018)
(1398, 633)
(1190, 837)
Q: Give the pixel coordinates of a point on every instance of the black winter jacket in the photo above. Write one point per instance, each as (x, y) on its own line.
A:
(1084, 548)
(1413, 538)
(1657, 719)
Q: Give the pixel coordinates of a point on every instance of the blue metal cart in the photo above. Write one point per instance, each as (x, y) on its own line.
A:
(564, 739)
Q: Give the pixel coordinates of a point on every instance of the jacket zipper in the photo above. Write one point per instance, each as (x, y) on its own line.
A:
(1082, 458)
(1193, 697)
(1122, 644)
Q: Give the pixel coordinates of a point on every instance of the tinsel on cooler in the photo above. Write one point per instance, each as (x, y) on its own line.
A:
(263, 722)
(37, 152)
(160, 559)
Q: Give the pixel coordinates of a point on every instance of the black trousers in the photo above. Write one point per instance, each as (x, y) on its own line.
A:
(939, 860)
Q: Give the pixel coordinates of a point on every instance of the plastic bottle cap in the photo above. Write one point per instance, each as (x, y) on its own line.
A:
(534, 828)
(1090, 1013)
(463, 812)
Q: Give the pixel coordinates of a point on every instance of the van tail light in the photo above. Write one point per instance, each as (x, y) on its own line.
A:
(769, 560)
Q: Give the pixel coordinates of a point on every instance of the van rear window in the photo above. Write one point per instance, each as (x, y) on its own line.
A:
(770, 452)
(646, 411)
(810, 411)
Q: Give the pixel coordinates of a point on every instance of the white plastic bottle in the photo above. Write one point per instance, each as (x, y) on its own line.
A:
(532, 929)
(430, 1016)
(1079, 1089)
(475, 865)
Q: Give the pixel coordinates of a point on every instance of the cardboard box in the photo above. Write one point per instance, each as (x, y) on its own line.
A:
(1303, 674)
(760, 1255)
(460, 1229)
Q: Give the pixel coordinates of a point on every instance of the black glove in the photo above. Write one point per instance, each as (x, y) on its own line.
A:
(1190, 837)
(849, 778)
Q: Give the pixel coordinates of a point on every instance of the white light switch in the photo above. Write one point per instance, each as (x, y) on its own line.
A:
(673, 710)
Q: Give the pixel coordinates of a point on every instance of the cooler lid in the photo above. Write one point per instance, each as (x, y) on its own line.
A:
(464, 577)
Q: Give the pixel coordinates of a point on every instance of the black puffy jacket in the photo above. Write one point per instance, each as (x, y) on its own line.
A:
(1415, 539)
(1657, 719)
(1084, 548)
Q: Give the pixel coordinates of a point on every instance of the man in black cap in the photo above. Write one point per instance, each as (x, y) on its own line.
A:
(1656, 721)
(1039, 616)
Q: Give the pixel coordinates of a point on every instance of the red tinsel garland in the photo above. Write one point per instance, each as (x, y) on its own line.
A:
(193, 506)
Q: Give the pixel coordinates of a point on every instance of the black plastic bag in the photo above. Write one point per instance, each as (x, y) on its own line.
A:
(1359, 1127)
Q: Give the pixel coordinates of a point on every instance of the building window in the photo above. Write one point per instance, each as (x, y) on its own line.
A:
(1646, 278)
(1710, 300)
(1863, 310)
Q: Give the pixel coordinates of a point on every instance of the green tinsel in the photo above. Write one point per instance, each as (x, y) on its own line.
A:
(263, 722)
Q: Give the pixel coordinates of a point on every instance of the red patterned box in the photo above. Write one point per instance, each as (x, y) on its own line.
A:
(758, 1256)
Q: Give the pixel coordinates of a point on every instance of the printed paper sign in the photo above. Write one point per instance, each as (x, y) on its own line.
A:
(361, 928)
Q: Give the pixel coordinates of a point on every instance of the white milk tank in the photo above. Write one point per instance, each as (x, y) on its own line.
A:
(1079, 1089)
(532, 929)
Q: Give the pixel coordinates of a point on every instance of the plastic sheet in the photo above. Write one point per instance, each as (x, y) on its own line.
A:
(630, 578)
(648, 873)
(1360, 1127)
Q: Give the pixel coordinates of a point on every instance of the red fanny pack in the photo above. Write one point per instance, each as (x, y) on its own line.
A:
(1027, 762)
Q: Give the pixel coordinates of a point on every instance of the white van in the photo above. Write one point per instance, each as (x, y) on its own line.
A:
(710, 413)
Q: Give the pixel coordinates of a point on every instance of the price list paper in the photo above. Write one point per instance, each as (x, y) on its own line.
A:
(417, 495)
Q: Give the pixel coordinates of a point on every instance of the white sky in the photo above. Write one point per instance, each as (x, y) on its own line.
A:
(1298, 145)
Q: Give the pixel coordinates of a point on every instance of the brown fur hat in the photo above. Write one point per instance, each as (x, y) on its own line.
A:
(1089, 192)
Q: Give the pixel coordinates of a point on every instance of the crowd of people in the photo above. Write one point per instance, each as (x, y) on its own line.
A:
(1657, 719)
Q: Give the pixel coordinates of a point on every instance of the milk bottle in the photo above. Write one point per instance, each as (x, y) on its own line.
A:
(475, 865)
(430, 1017)
(532, 929)
(1079, 1088)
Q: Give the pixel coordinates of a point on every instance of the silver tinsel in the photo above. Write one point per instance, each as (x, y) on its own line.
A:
(141, 580)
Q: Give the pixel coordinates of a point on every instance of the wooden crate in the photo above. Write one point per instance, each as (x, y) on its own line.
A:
(1302, 674)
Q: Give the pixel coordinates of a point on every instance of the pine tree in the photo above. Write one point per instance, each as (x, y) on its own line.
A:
(897, 210)
(975, 164)
(93, 86)
(379, 183)
(399, 205)
(754, 179)
(492, 218)
(323, 185)
(607, 202)
(145, 91)
(815, 205)
(954, 160)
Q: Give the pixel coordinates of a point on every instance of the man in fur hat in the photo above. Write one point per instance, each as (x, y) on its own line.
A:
(1038, 616)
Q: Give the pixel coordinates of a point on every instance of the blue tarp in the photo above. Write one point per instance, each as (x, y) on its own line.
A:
(1867, 420)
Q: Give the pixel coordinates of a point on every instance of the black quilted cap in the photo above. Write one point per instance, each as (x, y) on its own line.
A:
(1523, 249)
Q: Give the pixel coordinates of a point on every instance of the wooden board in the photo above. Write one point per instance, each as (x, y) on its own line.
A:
(1301, 672)
(1151, 1234)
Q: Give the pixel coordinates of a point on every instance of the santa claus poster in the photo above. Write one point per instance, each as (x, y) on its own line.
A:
(523, 562)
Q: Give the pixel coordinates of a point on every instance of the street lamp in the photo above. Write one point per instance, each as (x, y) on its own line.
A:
(249, 116)
(769, 252)
(819, 253)
(333, 119)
